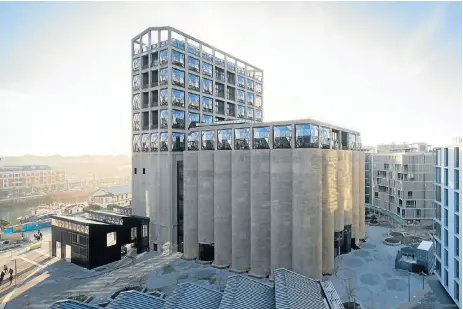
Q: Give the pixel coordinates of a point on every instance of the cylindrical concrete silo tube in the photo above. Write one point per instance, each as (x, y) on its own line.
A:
(329, 205)
(307, 212)
(339, 212)
(241, 210)
(362, 195)
(281, 210)
(190, 208)
(205, 198)
(347, 176)
(355, 196)
(260, 213)
(222, 208)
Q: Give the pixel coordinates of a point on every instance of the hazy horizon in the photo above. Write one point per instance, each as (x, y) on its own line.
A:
(390, 70)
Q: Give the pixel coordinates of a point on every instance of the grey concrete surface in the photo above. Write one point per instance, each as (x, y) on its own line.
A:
(361, 195)
(190, 208)
(339, 212)
(347, 185)
(355, 196)
(329, 206)
(206, 197)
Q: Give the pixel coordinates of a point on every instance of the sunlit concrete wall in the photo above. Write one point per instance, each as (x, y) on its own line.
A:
(355, 196)
(329, 206)
(190, 205)
(362, 195)
(347, 186)
(206, 197)
(339, 212)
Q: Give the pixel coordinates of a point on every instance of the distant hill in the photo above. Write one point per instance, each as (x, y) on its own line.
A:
(80, 166)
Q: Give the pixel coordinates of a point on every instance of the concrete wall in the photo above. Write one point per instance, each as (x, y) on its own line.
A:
(241, 210)
(190, 205)
(355, 196)
(281, 218)
(347, 186)
(361, 234)
(329, 206)
(307, 212)
(260, 212)
(339, 212)
(206, 197)
(222, 208)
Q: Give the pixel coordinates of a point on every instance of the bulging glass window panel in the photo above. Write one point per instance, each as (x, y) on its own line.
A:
(136, 122)
(178, 78)
(136, 143)
(250, 84)
(178, 98)
(136, 102)
(178, 41)
(178, 141)
(154, 142)
(250, 98)
(164, 145)
(219, 59)
(193, 64)
(261, 138)
(250, 113)
(351, 141)
(207, 104)
(178, 58)
(282, 136)
(258, 87)
(163, 97)
(208, 140)
(258, 115)
(306, 136)
(240, 96)
(193, 47)
(258, 76)
(358, 142)
(193, 140)
(193, 82)
(163, 76)
(242, 139)
(136, 64)
(136, 82)
(207, 69)
(193, 101)
(241, 112)
(178, 119)
(207, 86)
(145, 142)
(258, 101)
(207, 119)
(207, 53)
(164, 119)
(231, 64)
(193, 120)
(224, 139)
(240, 81)
(325, 137)
(163, 57)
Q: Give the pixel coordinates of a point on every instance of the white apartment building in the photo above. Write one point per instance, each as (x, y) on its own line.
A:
(447, 202)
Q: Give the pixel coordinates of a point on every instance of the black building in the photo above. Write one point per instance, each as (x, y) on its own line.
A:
(97, 239)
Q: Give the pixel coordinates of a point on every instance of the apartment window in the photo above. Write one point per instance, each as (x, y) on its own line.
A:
(456, 177)
(376, 194)
(143, 171)
(144, 231)
(446, 177)
(438, 211)
(261, 138)
(446, 197)
(446, 258)
(457, 224)
(446, 237)
(438, 175)
(446, 217)
(457, 156)
(193, 140)
(418, 212)
(438, 231)
(456, 201)
(446, 278)
(178, 141)
(224, 139)
(282, 136)
(133, 233)
(110, 239)
(208, 140)
(457, 290)
(135, 171)
(410, 194)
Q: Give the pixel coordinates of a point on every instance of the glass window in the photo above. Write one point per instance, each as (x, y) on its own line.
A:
(178, 141)
(145, 142)
(230, 65)
(241, 111)
(438, 175)
(351, 141)
(178, 119)
(446, 197)
(261, 138)
(207, 69)
(163, 57)
(178, 77)
(193, 140)
(136, 143)
(358, 143)
(207, 54)
(178, 41)
(306, 136)
(193, 82)
(178, 98)
(242, 139)
(250, 84)
(457, 246)
(240, 81)
(325, 138)
(220, 107)
(154, 142)
(456, 176)
(207, 140)
(193, 101)
(446, 177)
(207, 86)
(193, 119)
(231, 109)
(136, 64)
(178, 58)
(258, 115)
(111, 239)
(136, 122)
(219, 59)
(457, 156)
(164, 119)
(250, 98)
(136, 82)
(136, 103)
(258, 87)
(240, 96)
(164, 97)
(193, 47)
(224, 139)
(207, 104)
(163, 77)
(282, 136)
(250, 113)
(208, 119)
(456, 201)
(193, 64)
(446, 157)
(258, 101)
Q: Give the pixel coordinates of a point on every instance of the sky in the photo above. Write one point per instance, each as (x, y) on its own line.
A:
(390, 70)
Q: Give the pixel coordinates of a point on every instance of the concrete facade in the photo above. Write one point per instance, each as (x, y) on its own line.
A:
(329, 207)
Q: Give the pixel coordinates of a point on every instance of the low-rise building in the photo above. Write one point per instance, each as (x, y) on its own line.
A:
(118, 195)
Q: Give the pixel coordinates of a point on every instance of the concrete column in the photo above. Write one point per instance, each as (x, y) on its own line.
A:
(307, 212)
(362, 195)
(241, 210)
(190, 204)
(206, 197)
(222, 208)
(281, 210)
(339, 212)
(260, 213)
(329, 206)
(355, 196)
(347, 186)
